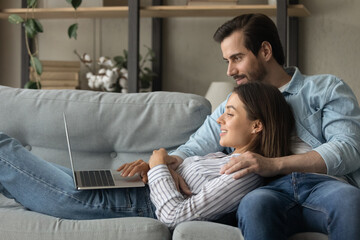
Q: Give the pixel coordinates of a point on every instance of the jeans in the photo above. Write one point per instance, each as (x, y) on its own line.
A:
(301, 202)
(48, 188)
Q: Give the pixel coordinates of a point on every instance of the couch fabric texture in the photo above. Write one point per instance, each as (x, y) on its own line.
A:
(106, 130)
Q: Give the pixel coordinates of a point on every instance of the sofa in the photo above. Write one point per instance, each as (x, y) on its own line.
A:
(107, 130)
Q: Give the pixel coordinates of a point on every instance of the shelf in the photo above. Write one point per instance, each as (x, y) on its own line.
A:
(297, 10)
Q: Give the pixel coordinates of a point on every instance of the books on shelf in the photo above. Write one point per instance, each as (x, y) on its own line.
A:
(58, 75)
(211, 2)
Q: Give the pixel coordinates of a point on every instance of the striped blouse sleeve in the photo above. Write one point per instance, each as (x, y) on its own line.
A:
(217, 197)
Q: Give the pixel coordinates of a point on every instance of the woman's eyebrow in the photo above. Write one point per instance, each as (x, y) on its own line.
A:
(230, 106)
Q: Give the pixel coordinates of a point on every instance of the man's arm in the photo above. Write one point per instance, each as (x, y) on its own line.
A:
(205, 140)
(268, 167)
(337, 120)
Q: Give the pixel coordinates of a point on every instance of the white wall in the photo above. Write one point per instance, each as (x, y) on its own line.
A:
(329, 40)
(191, 59)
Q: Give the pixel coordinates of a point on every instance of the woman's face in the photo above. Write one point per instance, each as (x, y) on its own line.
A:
(237, 130)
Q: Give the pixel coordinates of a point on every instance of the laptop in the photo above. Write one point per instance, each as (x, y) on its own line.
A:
(99, 179)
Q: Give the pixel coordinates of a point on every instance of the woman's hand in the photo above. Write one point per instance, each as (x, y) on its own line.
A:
(180, 183)
(161, 157)
(139, 166)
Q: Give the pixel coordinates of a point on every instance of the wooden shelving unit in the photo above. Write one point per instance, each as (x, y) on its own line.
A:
(296, 10)
(286, 12)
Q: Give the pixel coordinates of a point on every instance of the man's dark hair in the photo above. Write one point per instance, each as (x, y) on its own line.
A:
(256, 28)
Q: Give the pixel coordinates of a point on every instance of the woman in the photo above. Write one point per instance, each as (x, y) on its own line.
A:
(256, 119)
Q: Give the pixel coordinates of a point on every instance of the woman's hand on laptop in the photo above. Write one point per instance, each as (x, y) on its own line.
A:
(139, 166)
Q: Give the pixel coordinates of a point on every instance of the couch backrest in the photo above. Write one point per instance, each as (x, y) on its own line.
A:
(106, 129)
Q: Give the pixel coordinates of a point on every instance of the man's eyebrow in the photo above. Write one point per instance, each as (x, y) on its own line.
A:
(234, 55)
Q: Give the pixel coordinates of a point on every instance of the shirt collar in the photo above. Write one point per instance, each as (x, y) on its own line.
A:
(296, 81)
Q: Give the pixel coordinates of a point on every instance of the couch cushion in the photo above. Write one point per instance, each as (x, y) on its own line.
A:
(106, 129)
(19, 223)
(199, 230)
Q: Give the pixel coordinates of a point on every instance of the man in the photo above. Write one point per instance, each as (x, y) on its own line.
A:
(314, 190)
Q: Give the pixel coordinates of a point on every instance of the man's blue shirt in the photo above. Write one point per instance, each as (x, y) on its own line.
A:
(327, 117)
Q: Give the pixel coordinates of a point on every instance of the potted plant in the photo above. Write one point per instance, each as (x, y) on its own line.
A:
(32, 28)
(113, 74)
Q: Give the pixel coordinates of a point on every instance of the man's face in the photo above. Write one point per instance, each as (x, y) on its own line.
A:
(243, 65)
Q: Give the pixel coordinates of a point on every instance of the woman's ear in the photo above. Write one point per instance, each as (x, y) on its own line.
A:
(257, 126)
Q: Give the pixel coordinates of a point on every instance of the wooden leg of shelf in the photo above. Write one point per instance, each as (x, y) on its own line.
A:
(281, 22)
(293, 38)
(133, 51)
(157, 48)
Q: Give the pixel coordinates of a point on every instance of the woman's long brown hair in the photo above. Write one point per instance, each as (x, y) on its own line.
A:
(266, 103)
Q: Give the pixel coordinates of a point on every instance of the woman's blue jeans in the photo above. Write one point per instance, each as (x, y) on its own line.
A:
(301, 202)
(49, 188)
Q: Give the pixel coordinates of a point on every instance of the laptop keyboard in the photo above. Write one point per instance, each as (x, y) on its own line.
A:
(97, 178)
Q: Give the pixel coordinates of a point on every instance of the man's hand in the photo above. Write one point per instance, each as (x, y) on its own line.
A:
(139, 166)
(249, 162)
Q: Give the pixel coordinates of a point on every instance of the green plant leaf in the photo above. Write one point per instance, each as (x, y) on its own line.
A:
(120, 61)
(72, 31)
(30, 28)
(74, 3)
(38, 26)
(32, 85)
(16, 19)
(36, 64)
(31, 3)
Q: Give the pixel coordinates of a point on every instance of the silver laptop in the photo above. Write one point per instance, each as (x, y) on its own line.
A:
(99, 179)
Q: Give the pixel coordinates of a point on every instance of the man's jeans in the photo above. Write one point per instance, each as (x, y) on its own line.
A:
(301, 202)
(48, 188)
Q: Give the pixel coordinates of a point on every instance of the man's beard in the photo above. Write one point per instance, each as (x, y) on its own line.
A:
(258, 72)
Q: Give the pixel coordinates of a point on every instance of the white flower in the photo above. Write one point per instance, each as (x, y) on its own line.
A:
(101, 60)
(102, 71)
(109, 63)
(91, 81)
(98, 81)
(109, 73)
(106, 80)
(123, 71)
(86, 59)
(123, 83)
(89, 75)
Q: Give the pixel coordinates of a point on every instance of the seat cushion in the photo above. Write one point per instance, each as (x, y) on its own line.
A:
(19, 223)
(199, 230)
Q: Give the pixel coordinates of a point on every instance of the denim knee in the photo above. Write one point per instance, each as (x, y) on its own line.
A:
(345, 203)
(258, 204)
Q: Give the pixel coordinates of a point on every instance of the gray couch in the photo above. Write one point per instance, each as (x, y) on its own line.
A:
(115, 128)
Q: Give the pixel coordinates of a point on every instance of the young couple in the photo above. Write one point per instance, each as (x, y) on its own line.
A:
(317, 190)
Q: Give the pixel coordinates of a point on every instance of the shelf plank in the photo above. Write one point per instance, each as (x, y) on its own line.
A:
(297, 10)
(58, 13)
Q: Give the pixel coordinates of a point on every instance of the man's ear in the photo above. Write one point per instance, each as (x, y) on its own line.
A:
(266, 50)
(257, 126)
